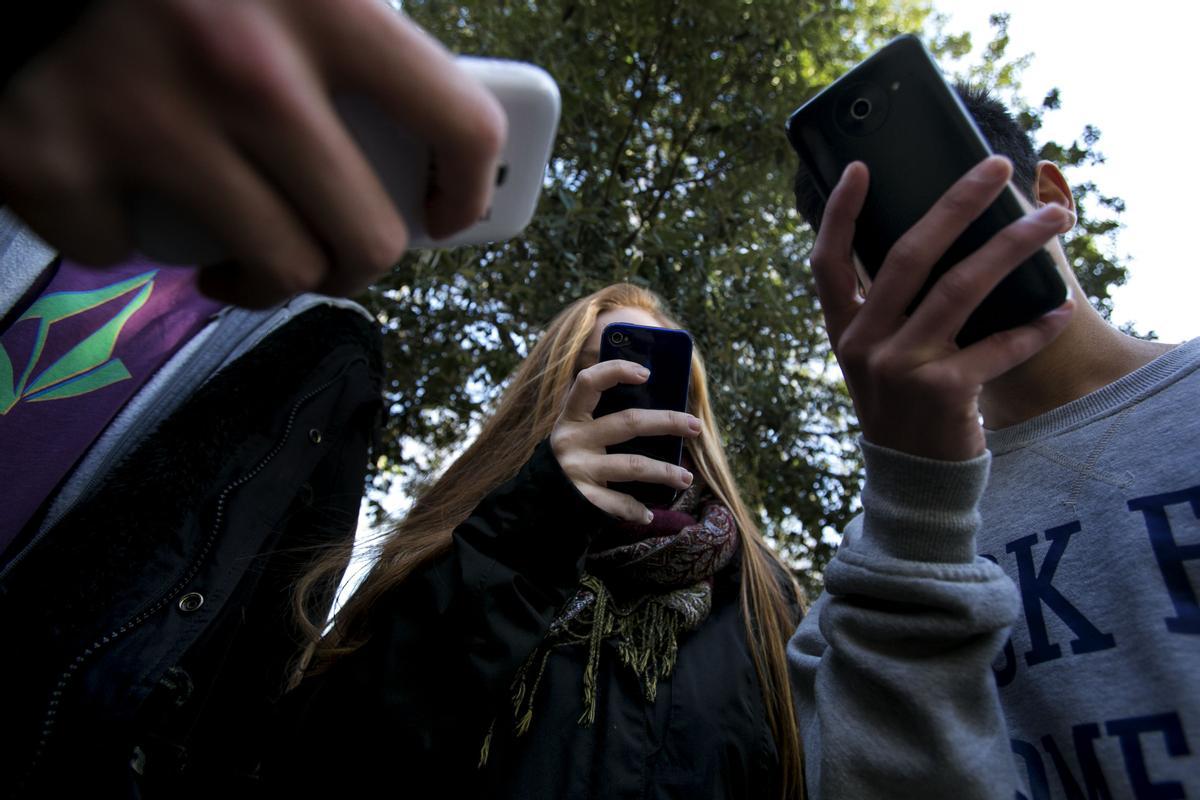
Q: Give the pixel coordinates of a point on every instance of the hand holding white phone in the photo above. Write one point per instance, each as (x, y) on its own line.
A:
(531, 102)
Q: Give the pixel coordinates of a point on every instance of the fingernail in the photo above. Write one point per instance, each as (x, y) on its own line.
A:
(648, 517)
(642, 372)
(687, 478)
(694, 424)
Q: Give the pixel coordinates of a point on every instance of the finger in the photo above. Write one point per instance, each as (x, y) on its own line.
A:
(908, 263)
(633, 422)
(833, 252)
(237, 284)
(281, 115)
(618, 504)
(591, 382)
(189, 161)
(959, 292)
(414, 78)
(55, 181)
(992, 357)
(621, 467)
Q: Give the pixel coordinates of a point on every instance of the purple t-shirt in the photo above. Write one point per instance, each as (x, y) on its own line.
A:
(72, 359)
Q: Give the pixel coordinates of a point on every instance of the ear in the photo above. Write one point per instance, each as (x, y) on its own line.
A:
(1050, 186)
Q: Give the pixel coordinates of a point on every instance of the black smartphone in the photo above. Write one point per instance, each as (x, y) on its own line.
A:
(896, 113)
(667, 353)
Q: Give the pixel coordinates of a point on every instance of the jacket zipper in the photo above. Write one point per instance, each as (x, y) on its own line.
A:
(51, 716)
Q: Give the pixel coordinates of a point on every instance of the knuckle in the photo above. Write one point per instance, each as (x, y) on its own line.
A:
(586, 379)
(139, 125)
(1015, 344)
(628, 420)
(480, 129)
(937, 381)
(61, 174)
(885, 366)
(905, 253)
(852, 353)
(1019, 237)
(957, 288)
(488, 128)
(633, 466)
(572, 465)
(230, 43)
(961, 200)
(298, 276)
(378, 251)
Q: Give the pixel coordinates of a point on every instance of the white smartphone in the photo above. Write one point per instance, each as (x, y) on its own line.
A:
(531, 101)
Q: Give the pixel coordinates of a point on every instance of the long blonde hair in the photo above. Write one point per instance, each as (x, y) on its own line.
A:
(525, 415)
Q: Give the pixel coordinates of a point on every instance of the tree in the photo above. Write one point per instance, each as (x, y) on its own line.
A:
(670, 170)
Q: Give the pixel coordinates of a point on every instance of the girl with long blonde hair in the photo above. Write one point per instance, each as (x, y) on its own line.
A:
(528, 632)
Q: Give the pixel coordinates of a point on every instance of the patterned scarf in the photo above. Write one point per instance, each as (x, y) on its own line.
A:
(643, 586)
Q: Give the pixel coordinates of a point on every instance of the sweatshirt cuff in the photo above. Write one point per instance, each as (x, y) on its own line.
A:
(920, 509)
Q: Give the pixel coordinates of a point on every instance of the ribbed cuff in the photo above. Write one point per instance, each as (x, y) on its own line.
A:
(919, 509)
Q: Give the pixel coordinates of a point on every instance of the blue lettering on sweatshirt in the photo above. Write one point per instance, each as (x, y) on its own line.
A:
(1171, 555)
(1131, 735)
(1037, 587)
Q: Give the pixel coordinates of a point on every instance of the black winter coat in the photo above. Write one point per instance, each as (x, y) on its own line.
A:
(405, 715)
(147, 635)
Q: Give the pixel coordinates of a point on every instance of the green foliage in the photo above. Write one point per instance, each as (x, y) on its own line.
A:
(670, 170)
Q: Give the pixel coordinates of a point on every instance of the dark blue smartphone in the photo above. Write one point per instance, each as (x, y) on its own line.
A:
(667, 353)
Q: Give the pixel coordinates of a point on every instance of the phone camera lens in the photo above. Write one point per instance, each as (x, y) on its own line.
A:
(860, 109)
(618, 339)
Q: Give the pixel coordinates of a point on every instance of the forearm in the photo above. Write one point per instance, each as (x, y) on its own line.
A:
(893, 663)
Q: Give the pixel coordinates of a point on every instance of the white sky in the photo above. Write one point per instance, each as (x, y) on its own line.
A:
(1128, 70)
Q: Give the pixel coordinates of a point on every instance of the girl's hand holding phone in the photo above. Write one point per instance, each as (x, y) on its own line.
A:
(579, 441)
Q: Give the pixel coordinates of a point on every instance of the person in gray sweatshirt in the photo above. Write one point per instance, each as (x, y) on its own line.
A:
(1014, 613)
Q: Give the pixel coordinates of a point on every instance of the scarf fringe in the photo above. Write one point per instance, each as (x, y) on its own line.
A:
(646, 631)
(647, 639)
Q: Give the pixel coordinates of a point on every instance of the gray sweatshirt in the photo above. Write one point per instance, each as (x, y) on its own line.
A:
(1032, 633)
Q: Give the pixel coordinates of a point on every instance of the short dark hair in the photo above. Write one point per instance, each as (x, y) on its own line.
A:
(996, 123)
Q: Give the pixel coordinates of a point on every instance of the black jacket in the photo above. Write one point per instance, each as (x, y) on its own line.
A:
(405, 715)
(147, 634)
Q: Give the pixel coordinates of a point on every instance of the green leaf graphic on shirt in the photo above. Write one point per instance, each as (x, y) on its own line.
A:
(104, 375)
(7, 395)
(89, 365)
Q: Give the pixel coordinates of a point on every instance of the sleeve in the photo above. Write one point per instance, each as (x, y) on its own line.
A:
(446, 645)
(892, 665)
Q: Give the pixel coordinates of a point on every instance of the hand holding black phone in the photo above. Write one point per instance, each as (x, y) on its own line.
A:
(917, 354)
(667, 353)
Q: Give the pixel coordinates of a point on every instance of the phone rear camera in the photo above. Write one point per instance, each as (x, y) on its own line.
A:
(618, 339)
(862, 109)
